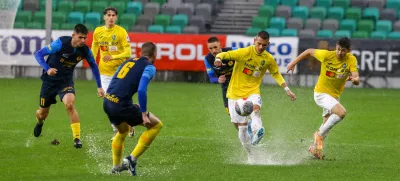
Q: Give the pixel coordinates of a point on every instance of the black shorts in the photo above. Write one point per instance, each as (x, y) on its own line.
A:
(117, 114)
(49, 91)
(224, 88)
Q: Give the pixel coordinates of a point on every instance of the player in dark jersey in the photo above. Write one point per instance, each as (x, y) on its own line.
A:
(133, 76)
(63, 55)
(221, 74)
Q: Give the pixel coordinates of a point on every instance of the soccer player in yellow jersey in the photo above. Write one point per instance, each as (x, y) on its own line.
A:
(337, 67)
(113, 42)
(251, 63)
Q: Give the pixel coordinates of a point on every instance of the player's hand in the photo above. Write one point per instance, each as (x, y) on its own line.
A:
(349, 78)
(221, 79)
(107, 58)
(217, 62)
(291, 95)
(355, 81)
(291, 67)
(52, 71)
(100, 92)
(146, 120)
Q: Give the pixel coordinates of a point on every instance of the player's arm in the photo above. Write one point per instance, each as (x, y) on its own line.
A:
(124, 40)
(147, 75)
(354, 78)
(210, 72)
(277, 76)
(94, 67)
(52, 48)
(318, 54)
(236, 55)
(95, 44)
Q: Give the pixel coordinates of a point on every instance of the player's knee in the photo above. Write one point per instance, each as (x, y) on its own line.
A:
(342, 113)
(41, 115)
(69, 106)
(256, 108)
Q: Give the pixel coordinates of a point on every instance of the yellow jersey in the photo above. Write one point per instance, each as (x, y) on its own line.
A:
(334, 72)
(111, 41)
(249, 70)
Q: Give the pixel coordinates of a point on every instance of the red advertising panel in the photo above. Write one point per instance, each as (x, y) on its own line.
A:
(180, 52)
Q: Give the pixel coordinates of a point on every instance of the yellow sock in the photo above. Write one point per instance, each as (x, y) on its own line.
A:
(118, 147)
(76, 130)
(145, 140)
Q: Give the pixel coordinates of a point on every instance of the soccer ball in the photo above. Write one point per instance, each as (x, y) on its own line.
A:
(243, 107)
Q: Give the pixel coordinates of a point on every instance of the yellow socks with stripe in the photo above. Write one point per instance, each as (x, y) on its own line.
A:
(118, 148)
(145, 140)
(76, 130)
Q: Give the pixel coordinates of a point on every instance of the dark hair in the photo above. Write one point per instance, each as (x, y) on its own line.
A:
(212, 39)
(263, 35)
(80, 29)
(344, 42)
(149, 49)
(110, 9)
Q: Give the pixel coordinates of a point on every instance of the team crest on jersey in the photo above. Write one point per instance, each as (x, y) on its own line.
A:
(344, 65)
(262, 62)
(114, 37)
(230, 63)
(79, 58)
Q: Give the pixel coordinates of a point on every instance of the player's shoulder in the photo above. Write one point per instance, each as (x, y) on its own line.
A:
(98, 29)
(268, 55)
(65, 39)
(351, 57)
(119, 28)
(226, 49)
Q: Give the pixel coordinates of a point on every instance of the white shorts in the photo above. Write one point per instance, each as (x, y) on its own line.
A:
(105, 81)
(325, 101)
(235, 117)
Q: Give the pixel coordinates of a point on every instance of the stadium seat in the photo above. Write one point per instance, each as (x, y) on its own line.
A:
(174, 3)
(289, 32)
(181, 20)
(278, 23)
(378, 35)
(135, 8)
(93, 18)
(388, 14)
(169, 10)
(342, 33)
(191, 30)
(127, 19)
(67, 26)
(173, 29)
(155, 29)
(359, 3)
(396, 26)
(366, 25)
(186, 8)
(75, 17)
(324, 3)
(252, 31)
(119, 5)
(353, 13)
(360, 35)
(283, 11)
(99, 6)
(43, 5)
(29, 5)
(259, 22)
(145, 20)
(394, 35)
(273, 32)
(55, 26)
(24, 16)
(39, 16)
(307, 3)
(295, 23)
(348, 24)
(34, 25)
(341, 3)
(66, 6)
(394, 4)
(336, 13)
(290, 3)
(371, 13)
(90, 27)
(161, 2)
(19, 25)
(313, 24)
(318, 12)
(330, 24)
(59, 17)
(139, 28)
(199, 22)
(266, 11)
(204, 9)
(307, 33)
(273, 3)
(82, 6)
(300, 12)
(324, 34)
(379, 4)
(384, 26)
(163, 20)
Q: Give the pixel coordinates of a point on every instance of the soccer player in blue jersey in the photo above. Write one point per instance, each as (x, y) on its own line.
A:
(133, 76)
(63, 55)
(221, 74)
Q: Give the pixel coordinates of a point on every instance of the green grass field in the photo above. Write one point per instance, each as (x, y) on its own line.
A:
(198, 142)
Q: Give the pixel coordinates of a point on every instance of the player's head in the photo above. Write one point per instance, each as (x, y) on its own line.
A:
(110, 16)
(342, 47)
(261, 41)
(214, 46)
(79, 35)
(149, 50)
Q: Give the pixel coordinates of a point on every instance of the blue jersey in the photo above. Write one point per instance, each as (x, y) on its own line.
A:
(64, 57)
(132, 76)
(214, 72)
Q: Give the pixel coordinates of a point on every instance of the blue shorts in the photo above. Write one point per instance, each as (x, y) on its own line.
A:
(50, 90)
(117, 114)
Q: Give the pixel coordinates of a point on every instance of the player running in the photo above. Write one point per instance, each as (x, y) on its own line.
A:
(336, 67)
(63, 55)
(132, 77)
(251, 64)
(113, 42)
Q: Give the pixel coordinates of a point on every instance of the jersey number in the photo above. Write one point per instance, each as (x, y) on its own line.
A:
(125, 69)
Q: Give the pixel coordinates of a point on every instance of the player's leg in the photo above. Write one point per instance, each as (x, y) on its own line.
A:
(240, 123)
(256, 126)
(118, 146)
(224, 98)
(67, 95)
(338, 112)
(48, 93)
